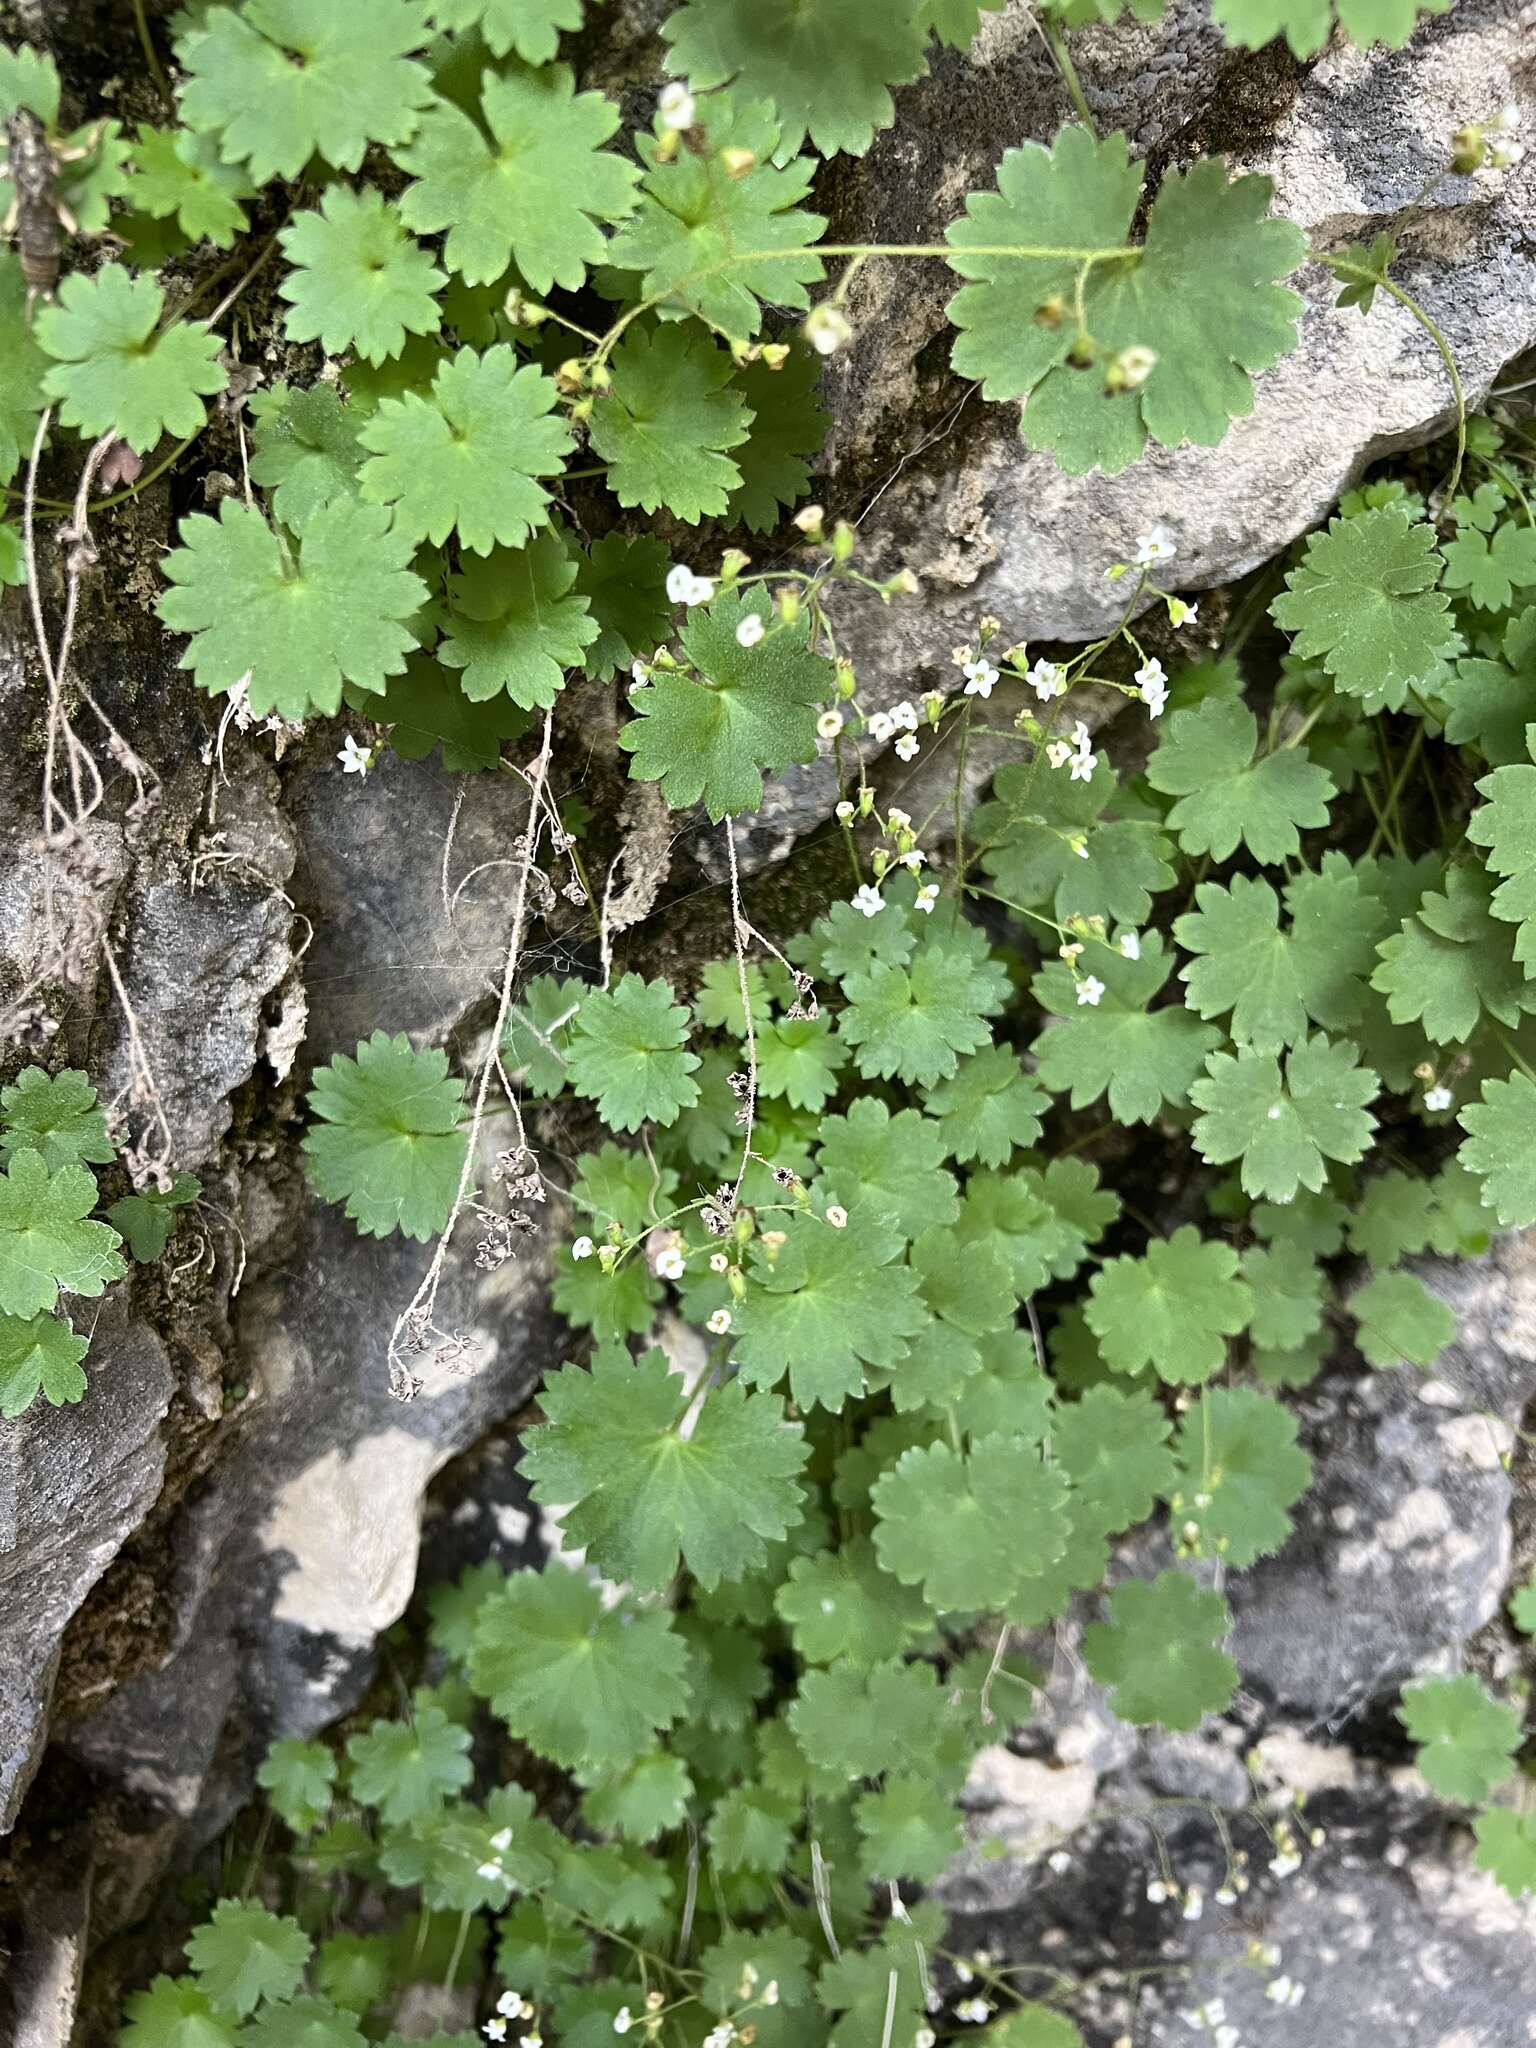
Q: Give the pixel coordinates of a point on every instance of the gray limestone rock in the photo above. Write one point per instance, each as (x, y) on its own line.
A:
(74, 1485)
(1401, 1549)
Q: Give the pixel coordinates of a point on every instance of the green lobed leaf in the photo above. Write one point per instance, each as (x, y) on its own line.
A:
(516, 624)
(708, 736)
(1201, 293)
(39, 1354)
(244, 1954)
(1283, 1124)
(1225, 796)
(115, 370)
(642, 1493)
(292, 629)
(1172, 1309)
(388, 1142)
(969, 1527)
(628, 1055)
(357, 279)
(1466, 1737)
(667, 421)
(47, 1247)
(1157, 1651)
(526, 183)
(1364, 601)
(1240, 1472)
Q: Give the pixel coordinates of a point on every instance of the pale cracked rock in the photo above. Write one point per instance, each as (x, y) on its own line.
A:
(1401, 1548)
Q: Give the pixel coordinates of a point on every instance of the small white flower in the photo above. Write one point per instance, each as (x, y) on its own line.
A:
(906, 747)
(881, 726)
(1284, 1866)
(771, 1991)
(623, 2020)
(1082, 765)
(973, 2010)
(897, 821)
(828, 726)
(868, 900)
(980, 676)
(495, 2030)
(1226, 1896)
(913, 858)
(1089, 990)
(719, 1322)
(1047, 679)
(1130, 945)
(1285, 1991)
(502, 1840)
(1503, 156)
(904, 716)
(355, 758)
(926, 897)
(1438, 1098)
(719, 1263)
(1059, 1861)
(837, 1216)
(530, 2041)
(1194, 1903)
(1157, 1892)
(670, 1264)
(721, 2036)
(925, 2037)
(845, 811)
(1215, 2010)
(491, 1872)
(583, 1248)
(1226, 2037)
(1058, 753)
(639, 672)
(1157, 544)
(1152, 682)
(510, 2005)
(683, 587)
(676, 106)
(750, 631)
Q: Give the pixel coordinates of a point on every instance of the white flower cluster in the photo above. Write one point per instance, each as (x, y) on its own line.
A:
(1078, 756)
(513, 2006)
(1152, 682)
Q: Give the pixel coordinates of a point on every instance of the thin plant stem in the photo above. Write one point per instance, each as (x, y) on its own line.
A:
(1056, 43)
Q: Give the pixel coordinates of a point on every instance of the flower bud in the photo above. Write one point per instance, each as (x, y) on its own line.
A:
(809, 520)
(827, 328)
(844, 541)
(845, 683)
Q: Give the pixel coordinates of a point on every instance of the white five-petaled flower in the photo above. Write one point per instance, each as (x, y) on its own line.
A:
(1130, 946)
(868, 900)
(980, 676)
(904, 716)
(719, 1323)
(1438, 1098)
(1157, 544)
(906, 747)
(828, 726)
(355, 758)
(583, 1248)
(683, 587)
(913, 858)
(721, 2036)
(1089, 990)
(676, 106)
(1047, 679)
(512, 2004)
(1152, 682)
(837, 1216)
(1058, 753)
(973, 2010)
(926, 897)
(1084, 760)
(844, 811)
(750, 631)
(670, 1264)
(495, 2030)
(880, 726)
(639, 673)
